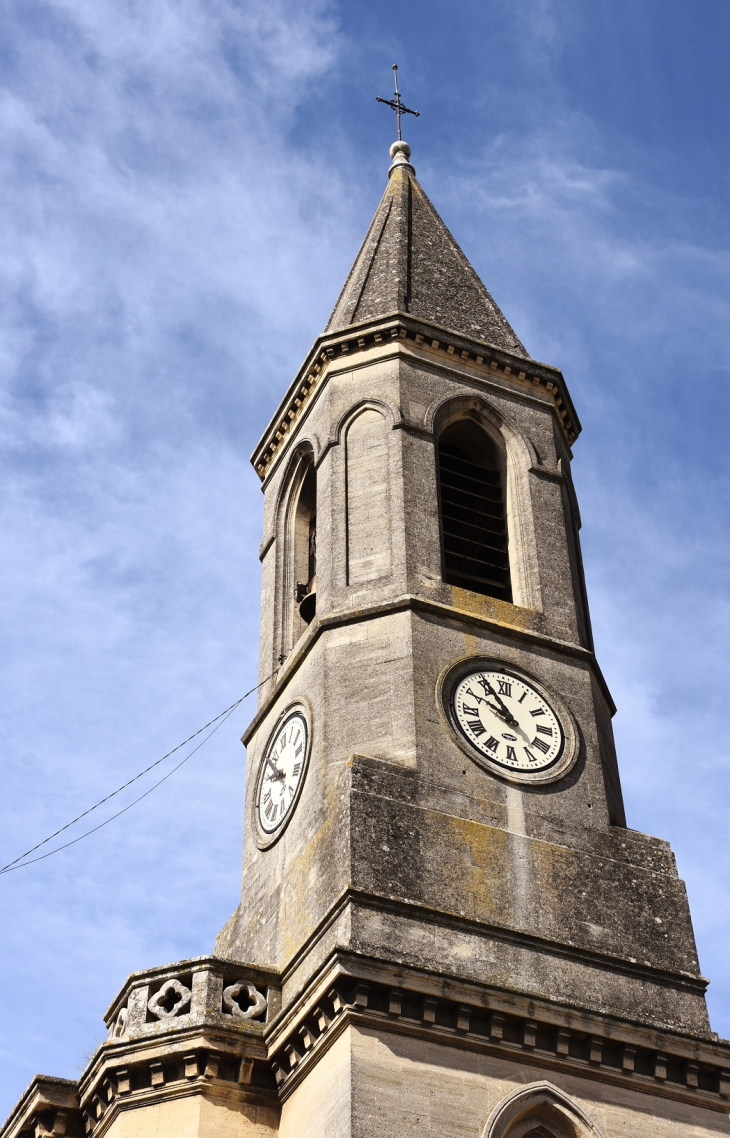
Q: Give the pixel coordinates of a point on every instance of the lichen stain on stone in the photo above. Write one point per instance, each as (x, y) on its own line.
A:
(306, 882)
(501, 611)
(553, 870)
(482, 884)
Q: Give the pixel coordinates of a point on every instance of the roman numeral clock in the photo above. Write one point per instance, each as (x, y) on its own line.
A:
(281, 774)
(508, 722)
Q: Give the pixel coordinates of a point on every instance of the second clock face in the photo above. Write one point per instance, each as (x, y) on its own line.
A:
(282, 773)
(508, 721)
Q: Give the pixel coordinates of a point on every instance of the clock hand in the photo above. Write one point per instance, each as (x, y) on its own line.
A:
(277, 773)
(505, 713)
(496, 710)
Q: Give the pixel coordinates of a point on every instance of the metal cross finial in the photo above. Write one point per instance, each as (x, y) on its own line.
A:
(399, 107)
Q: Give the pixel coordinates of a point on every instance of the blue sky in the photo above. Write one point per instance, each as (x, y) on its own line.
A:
(184, 186)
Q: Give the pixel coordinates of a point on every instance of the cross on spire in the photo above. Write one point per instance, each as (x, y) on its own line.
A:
(399, 107)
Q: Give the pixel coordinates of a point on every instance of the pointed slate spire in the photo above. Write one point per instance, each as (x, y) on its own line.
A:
(409, 262)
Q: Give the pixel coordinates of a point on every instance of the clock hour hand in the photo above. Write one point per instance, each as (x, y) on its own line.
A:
(481, 699)
(505, 712)
(277, 773)
(497, 710)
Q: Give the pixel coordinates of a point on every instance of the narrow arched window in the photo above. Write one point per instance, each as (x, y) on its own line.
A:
(473, 519)
(305, 546)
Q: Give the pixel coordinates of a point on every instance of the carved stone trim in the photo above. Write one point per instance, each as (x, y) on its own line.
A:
(491, 361)
(537, 1103)
(526, 633)
(171, 1074)
(479, 1026)
(119, 1026)
(183, 994)
(48, 1108)
(231, 1005)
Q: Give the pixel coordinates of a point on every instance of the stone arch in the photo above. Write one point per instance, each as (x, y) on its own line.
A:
(305, 449)
(368, 492)
(517, 457)
(296, 516)
(341, 426)
(540, 1110)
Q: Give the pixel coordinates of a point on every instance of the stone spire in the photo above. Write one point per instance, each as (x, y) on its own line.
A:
(409, 262)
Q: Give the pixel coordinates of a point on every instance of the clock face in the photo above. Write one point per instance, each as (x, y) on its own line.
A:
(282, 771)
(508, 721)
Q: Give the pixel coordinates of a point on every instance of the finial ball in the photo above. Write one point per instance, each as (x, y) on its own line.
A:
(400, 148)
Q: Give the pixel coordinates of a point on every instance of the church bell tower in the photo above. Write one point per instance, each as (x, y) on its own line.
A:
(436, 856)
(446, 927)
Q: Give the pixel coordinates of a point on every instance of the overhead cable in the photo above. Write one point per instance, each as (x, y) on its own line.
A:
(219, 720)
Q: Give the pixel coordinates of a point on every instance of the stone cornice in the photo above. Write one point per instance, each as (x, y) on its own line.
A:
(47, 1106)
(382, 998)
(417, 603)
(518, 372)
(215, 1064)
(205, 1052)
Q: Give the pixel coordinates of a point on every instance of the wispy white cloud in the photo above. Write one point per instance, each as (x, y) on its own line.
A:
(176, 243)
(158, 233)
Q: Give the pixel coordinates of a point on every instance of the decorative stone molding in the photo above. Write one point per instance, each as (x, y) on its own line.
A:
(49, 1107)
(486, 359)
(119, 1026)
(482, 1027)
(169, 1074)
(529, 630)
(255, 1056)
(525, 1110)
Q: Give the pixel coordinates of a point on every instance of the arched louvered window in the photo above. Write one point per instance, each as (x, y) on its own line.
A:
(305, 546)
(473, 520)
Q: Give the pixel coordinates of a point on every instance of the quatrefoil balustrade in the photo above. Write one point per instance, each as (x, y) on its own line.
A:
(231, 1004)
(157, 1004)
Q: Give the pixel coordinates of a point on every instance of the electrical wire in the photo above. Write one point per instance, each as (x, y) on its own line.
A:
(219, 720)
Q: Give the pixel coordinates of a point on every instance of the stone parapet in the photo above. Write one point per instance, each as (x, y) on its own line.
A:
(194, 1028)
(204, 991)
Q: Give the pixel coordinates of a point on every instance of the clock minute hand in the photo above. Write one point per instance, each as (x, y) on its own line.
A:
(505, 712)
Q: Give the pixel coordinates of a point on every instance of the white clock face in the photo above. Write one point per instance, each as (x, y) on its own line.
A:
(508, 721)
(282, 772)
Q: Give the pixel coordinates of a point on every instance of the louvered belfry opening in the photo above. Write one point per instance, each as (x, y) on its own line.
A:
(305, 546)
(473, 521)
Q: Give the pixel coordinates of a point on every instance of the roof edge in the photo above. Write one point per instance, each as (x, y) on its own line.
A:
(347, 342)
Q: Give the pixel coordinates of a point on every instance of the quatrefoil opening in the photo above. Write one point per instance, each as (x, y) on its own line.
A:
(119, 1026)
(170, 1000)
(231, 1004)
